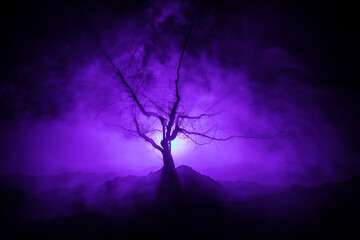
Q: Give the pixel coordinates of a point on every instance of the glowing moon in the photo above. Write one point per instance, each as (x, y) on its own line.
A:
(178, 146)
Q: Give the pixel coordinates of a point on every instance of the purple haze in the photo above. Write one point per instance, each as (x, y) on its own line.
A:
(234, 66)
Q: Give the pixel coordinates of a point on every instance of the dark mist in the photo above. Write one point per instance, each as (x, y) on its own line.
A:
(281, 75)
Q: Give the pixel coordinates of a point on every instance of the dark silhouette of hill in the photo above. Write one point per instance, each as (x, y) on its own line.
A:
(98, 206)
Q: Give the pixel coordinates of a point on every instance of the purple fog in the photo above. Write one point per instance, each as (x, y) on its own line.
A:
(273, 86)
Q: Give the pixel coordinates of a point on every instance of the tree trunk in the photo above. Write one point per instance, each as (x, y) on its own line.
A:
(168, 161)
(170, 190)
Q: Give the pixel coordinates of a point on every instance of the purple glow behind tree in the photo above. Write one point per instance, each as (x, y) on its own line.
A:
(242, 69)
(172, 121)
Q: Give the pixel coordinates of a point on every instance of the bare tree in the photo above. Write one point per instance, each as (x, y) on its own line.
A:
(165, 118)
(173, 122)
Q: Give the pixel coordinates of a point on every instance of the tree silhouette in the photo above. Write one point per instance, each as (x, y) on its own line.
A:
(170, 120)
(174, 123)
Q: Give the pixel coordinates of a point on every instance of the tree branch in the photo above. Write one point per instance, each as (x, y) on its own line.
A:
(176, 103)
(227, 138)
(135, 98)
(107, 106)
(153, 103)
(175, 133)
(197, 117)
(193, 140)
(163, 124)
(133, 56)
(146, 138)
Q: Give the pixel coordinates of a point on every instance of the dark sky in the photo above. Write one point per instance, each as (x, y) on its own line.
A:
(322, 35)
